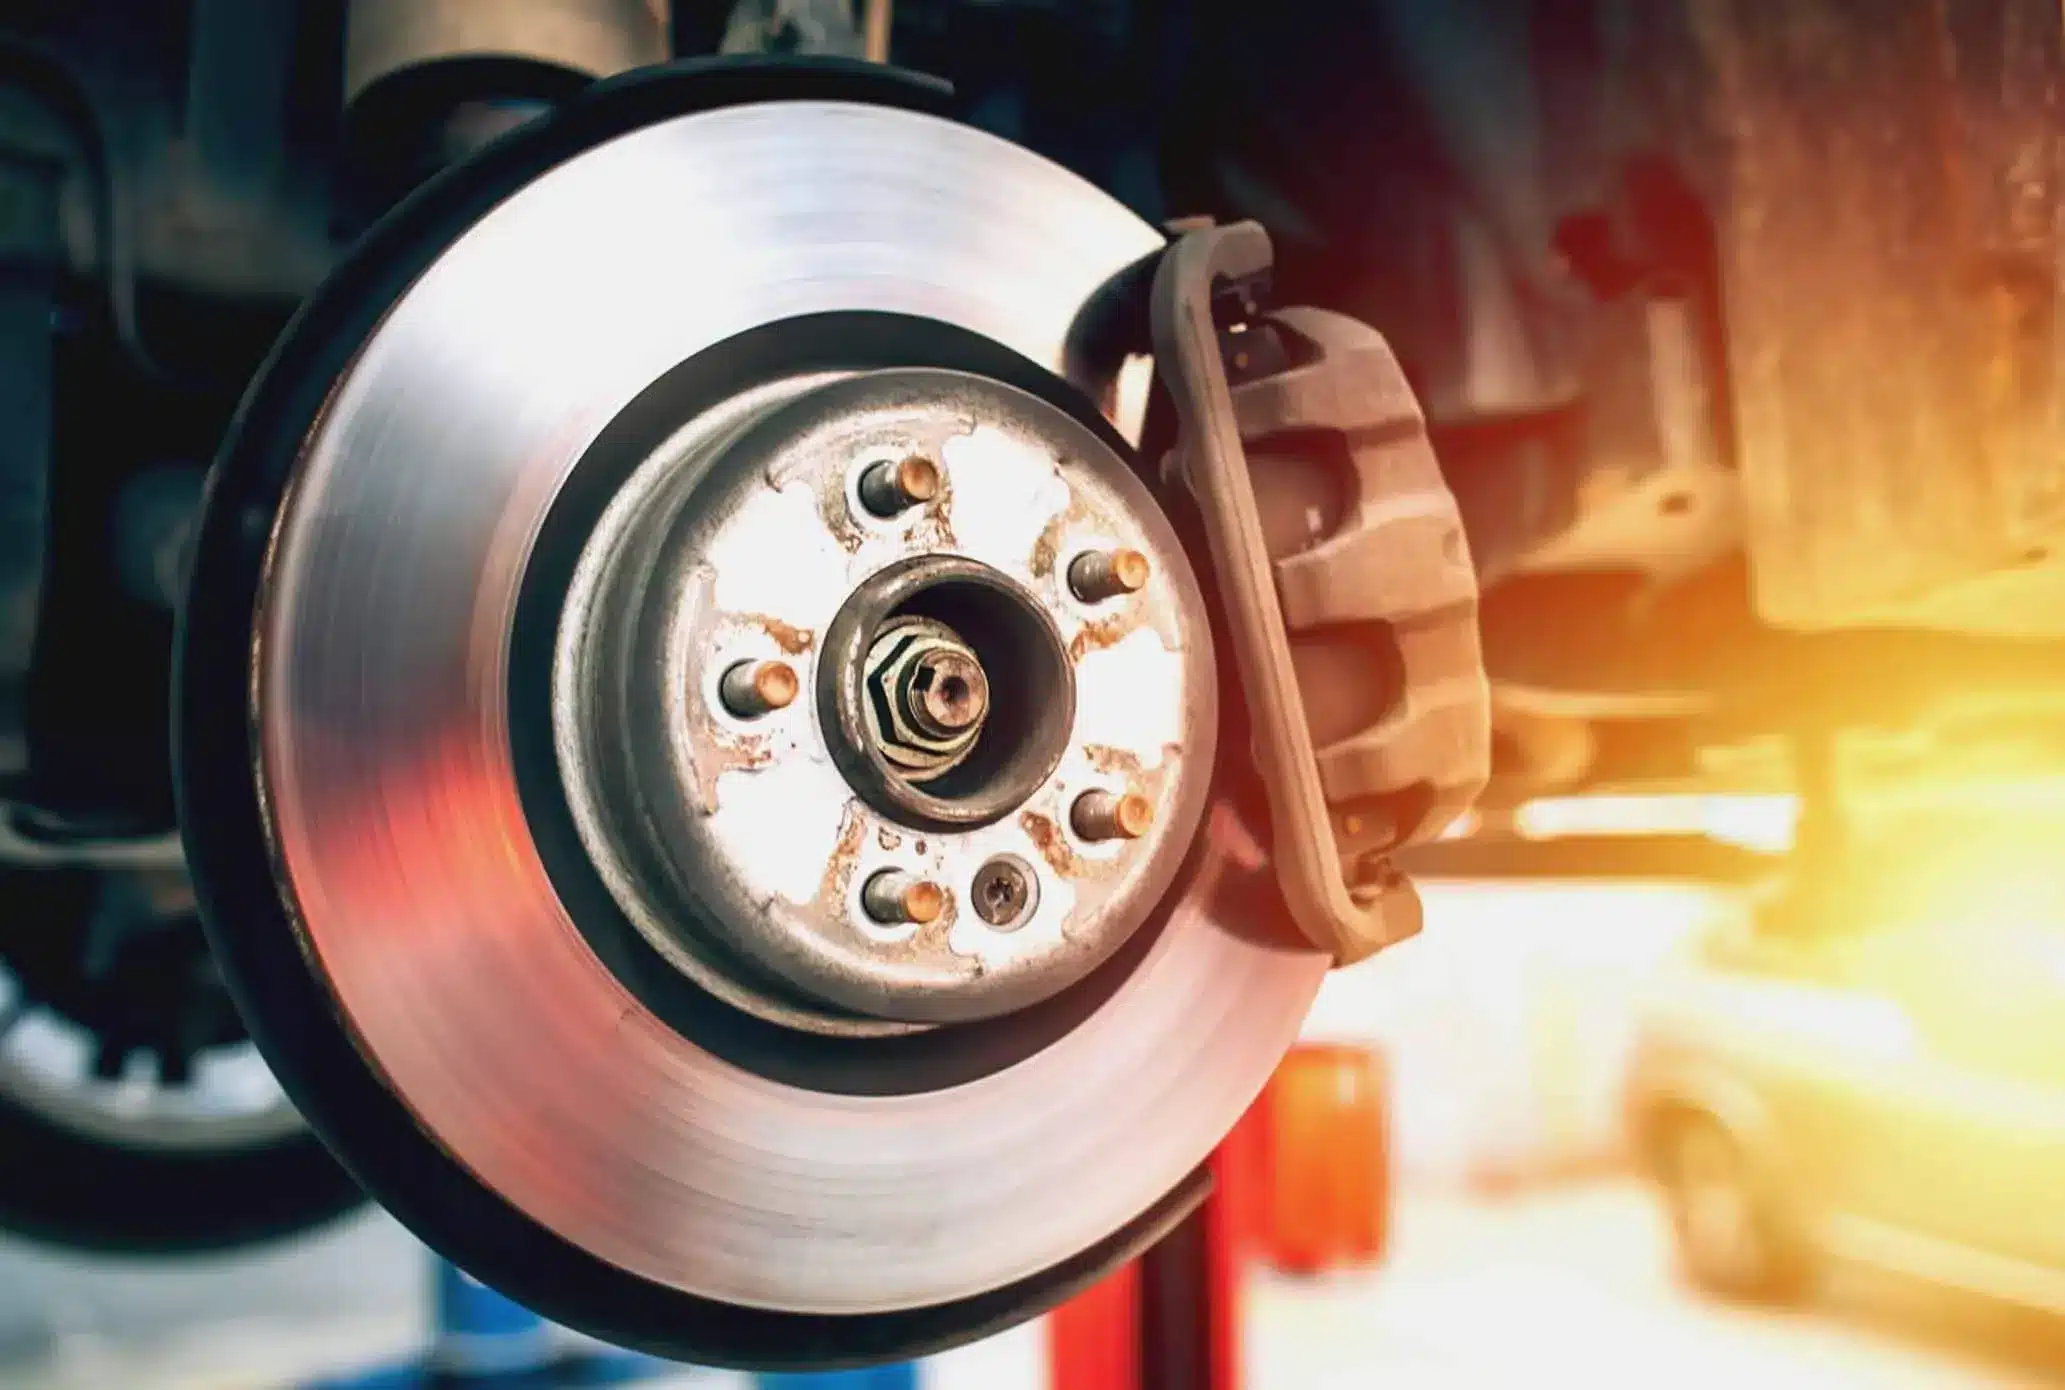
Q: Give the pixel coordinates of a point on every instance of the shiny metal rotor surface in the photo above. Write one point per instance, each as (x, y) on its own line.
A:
(381, 677)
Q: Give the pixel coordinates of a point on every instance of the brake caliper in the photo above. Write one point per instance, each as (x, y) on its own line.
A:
(1344, 575)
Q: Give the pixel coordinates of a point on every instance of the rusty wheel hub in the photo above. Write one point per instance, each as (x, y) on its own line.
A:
(971, 694)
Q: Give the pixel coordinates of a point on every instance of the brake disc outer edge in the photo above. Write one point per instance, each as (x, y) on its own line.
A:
(248, 927)
(223, 825)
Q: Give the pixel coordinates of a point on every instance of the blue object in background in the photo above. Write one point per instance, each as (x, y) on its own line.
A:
(479, 1333)
(483, 1341)
(903, 1377)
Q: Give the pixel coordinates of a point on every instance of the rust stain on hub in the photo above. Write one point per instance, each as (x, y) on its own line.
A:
(1052, 844)
(793, 640)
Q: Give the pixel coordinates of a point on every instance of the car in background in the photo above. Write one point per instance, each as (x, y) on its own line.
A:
(1871, 1070)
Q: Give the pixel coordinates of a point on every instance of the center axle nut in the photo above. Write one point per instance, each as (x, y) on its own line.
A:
(928, 696)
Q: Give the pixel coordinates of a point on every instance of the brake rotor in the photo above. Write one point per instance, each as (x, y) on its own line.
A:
(575, 732)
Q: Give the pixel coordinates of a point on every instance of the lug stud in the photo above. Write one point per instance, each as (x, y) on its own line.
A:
(890, 489)
(1098, 575)
(893, 896)
(1102, 815)
(753, 688)
(1109, 816)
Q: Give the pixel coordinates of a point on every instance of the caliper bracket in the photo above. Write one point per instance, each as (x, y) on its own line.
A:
(1345, 576)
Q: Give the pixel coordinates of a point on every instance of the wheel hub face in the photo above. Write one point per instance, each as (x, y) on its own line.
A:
(965, 699)
(411, 867)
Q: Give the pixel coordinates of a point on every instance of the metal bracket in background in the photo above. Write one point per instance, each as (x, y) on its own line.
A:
(1366, 624)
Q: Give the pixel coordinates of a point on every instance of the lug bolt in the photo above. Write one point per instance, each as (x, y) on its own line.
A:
(1098, 575)
(753, 688)
(889, 489)
(892, 896)
(1004, 892)
(1103, 815)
